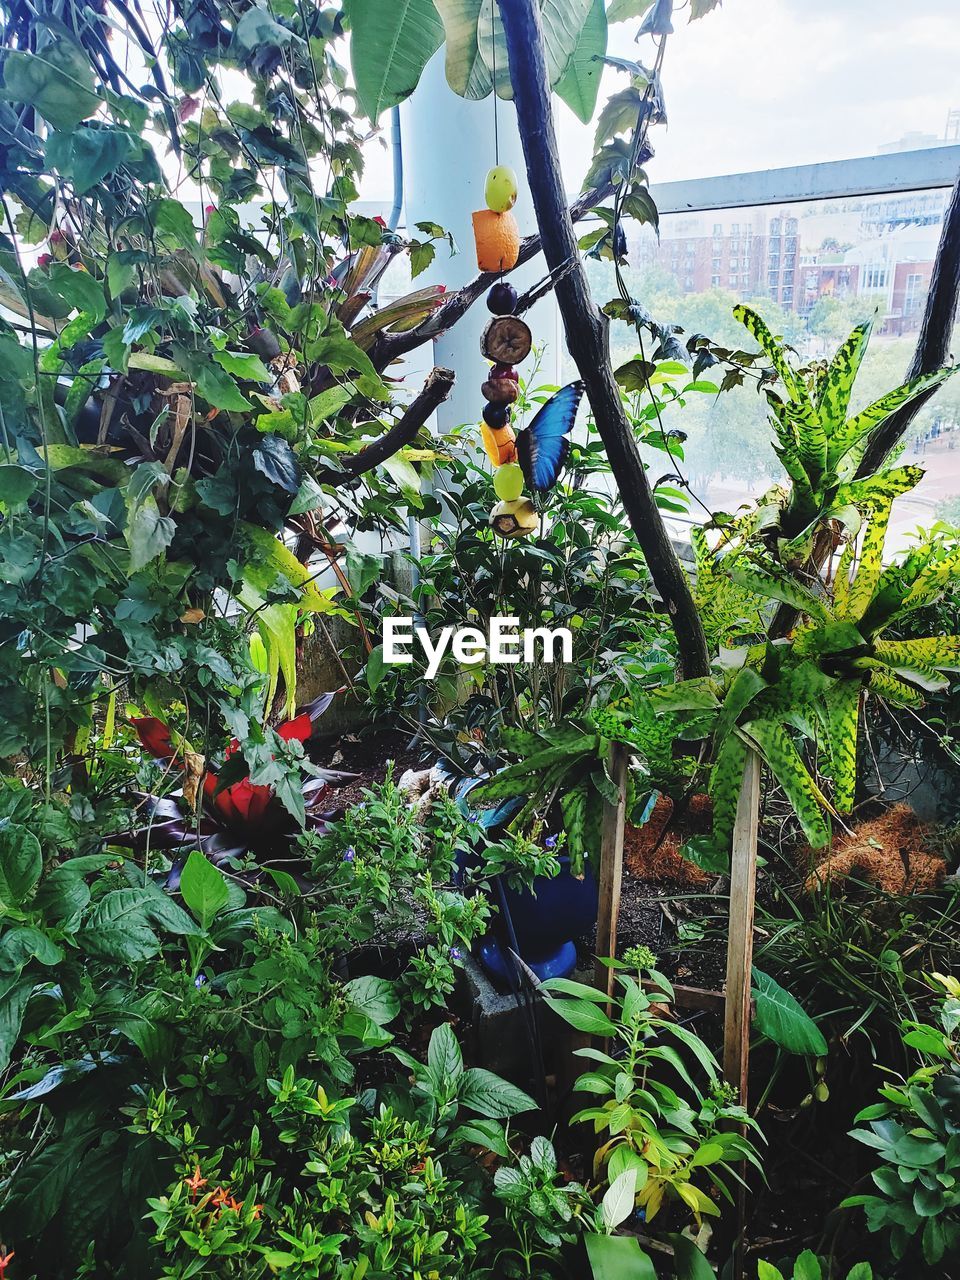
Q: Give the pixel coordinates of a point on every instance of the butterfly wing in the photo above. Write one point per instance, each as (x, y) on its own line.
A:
(542, 448)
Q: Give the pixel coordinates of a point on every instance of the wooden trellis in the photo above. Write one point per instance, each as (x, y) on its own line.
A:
(735, 999)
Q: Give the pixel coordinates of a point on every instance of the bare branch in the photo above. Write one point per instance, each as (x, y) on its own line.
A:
(435, 390)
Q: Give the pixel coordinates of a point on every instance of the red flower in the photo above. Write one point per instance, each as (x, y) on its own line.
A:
(5, 1260)
(243, 801)
(196, 1182)
(381, 222)
(56, 236)
(44, 259)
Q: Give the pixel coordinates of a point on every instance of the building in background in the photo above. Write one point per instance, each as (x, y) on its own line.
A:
(751, 253)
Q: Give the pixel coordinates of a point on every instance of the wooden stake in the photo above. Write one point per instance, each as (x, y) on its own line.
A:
(611, 868)
(736, 1023)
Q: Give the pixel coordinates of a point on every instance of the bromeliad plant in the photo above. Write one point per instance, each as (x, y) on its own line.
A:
(257, 803)
(813, 681)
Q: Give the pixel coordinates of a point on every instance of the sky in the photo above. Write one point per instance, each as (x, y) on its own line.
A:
(760, 84)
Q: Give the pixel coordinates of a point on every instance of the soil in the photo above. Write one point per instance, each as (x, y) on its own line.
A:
(367, 755)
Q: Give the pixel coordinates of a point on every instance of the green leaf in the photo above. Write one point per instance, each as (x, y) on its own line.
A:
(807, 1267)
(700, 8)
(242, 365)
(213, 383)
(274, 458)
(203, 888)
(78, 289)
(57, 80)
(584, 1016)
(562, 22)
(580, 83)
(489, 1096)
(14, 994)
(444, 1058)
(148, 533)
(617, 1203)
(175, 224)
(391, 41)
(375, 997)
(689, 1261)
(766, 1271)
(466, 71)
(781, 1018)
(618, 1258)
(118, 929)
(42, 1183)
(16, 484)
(624, 10)
(91, 152)
(23, 943)
(257, 28)
(422, 253)
(376, 668)
(21, 862)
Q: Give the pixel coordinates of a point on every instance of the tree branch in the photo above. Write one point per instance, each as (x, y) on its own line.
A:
(587, 329)
(435, 390)
(388, 347)
(933, 344)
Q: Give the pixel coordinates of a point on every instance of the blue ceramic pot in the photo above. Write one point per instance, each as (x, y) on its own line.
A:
(558, 908)
(545, 919)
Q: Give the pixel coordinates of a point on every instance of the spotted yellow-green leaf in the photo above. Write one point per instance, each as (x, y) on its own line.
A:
(726, 778)
(868, 419)
(768, 579)
(789, 456)
(842, 718)
(887, 685)
(801, 422)
(842, 579)
(573, 807)
(870, 562)
(933, 579)
(873, 491)
(834, 395)
(940, 652)
(773, 349)
(782, 758)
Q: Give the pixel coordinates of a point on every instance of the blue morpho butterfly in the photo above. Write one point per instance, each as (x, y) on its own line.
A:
(543, 447)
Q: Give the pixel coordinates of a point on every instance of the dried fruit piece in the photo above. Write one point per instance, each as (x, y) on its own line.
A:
(497, 238)
(507, 340)
(502, 299)
(514, 519)
(500, 444)
(500, 390)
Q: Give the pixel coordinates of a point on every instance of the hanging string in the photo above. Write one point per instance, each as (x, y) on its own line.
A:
(493, 72)
(493, 60)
